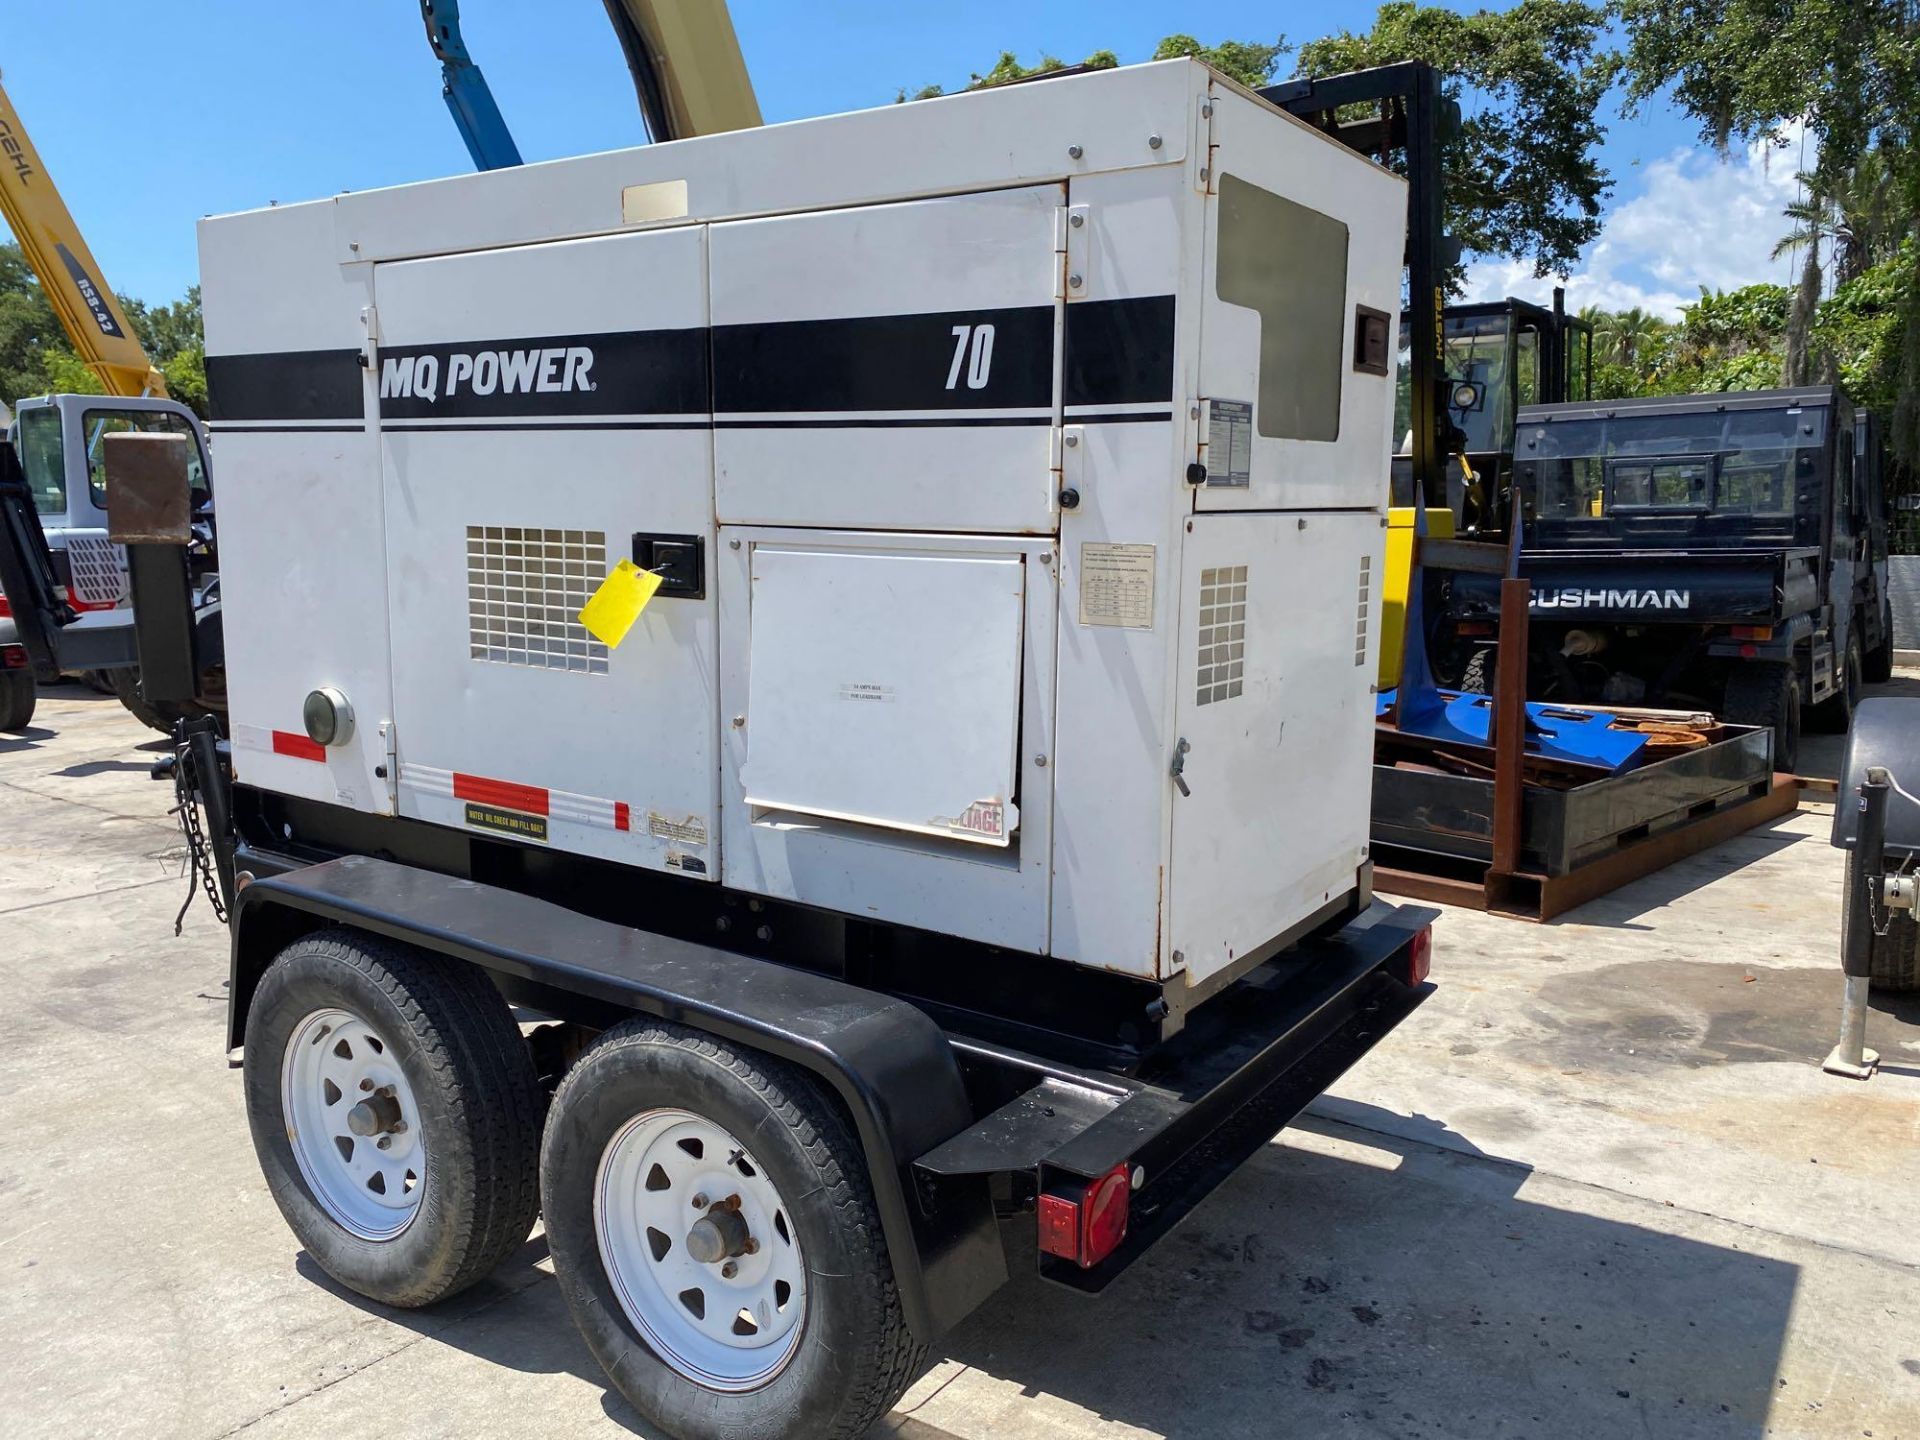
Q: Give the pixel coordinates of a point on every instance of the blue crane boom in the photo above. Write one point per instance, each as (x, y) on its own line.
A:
(465, 90)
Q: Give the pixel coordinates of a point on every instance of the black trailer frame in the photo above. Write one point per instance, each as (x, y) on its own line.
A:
(959, 1128)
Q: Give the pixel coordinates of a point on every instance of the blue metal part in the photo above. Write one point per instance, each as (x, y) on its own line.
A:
(465, 90)
(1450, 717)
(1571, 736)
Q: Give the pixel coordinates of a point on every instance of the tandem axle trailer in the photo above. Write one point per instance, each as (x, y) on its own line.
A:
(955, 858)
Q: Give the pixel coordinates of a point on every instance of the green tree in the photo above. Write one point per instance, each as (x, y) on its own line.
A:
(1522, 177)
(1850, 69)
(1248, 61)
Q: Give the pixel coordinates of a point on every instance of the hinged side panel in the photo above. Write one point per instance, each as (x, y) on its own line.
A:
(1303, 241)
(539, 408)
(873, 686)
(888, 367)
(1276, 705)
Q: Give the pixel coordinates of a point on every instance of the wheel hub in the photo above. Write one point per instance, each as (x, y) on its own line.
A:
(722, 1301)
(353, 1124)
(720, 1234)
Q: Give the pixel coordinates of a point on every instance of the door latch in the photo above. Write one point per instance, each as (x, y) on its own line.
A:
(1178, 769)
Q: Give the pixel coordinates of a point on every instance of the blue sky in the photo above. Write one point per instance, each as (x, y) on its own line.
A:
(150, 116)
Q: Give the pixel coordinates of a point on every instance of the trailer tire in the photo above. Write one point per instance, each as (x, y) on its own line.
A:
(436, 1040)
(1767, 692)
(17, 697)
(1893, 959)
(1878, 668)
(650, 1097)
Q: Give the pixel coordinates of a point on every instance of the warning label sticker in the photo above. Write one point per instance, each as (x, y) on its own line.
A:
(1229, 442)
(1116, 585)
(689, 831)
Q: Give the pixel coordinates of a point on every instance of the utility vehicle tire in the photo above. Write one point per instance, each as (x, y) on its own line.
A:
(655, 1128)
(1476, 676)
(1767, 692)
(1893, 959)
(17, 696)
(1834, 715)
(348, 1031)
(1878, 668)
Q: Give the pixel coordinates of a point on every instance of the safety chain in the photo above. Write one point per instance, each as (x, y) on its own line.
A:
(199, 852)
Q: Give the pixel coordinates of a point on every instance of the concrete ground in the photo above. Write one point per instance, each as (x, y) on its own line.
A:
(1598, 1186)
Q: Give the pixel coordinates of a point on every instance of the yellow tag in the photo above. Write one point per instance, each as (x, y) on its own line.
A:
(618, 603)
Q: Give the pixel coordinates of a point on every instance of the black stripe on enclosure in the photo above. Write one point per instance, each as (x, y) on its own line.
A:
(949, 360)
(627, 372)
(285, 385)
(1119, 352)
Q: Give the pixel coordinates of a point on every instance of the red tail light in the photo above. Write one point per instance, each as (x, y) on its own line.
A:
(5, 608)
(1420, 956)
(13, 657)
(1087, 1226)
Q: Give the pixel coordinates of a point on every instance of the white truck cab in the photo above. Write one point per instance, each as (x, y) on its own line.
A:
(59, 438)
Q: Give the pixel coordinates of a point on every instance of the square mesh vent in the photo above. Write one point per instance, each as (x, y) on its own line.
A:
(1223, 633)
(524, 593)
(1360, 618)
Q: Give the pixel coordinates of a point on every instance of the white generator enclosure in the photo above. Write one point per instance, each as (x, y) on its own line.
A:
(1014, 464)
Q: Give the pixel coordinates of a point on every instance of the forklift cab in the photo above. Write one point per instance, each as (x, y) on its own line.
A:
(60, 440)
(1496, 357)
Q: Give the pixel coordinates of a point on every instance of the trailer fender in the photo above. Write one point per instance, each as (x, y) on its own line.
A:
(1885, 734)
(885, 1061)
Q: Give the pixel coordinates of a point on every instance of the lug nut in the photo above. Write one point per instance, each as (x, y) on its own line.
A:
(366, 1085)
(729, 1270)
(699, 1202)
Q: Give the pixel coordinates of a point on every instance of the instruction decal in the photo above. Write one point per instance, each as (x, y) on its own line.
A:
(507, 822)
(1116, 585)
(1229, 442)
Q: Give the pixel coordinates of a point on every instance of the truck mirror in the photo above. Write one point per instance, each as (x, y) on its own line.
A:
(149, 494)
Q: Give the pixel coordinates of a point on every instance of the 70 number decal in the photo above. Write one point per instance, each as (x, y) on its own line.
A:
(973, 354)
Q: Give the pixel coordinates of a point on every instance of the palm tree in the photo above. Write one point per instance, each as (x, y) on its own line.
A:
(1625, 334)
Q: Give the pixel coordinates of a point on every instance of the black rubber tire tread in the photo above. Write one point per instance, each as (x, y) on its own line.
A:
(1476, 677)
(860, 1371)
(17, 699)
(1877, 668)
(1893, 959)
(484, 1189)
(1761, 692)
(125, 684)
(1834, 715)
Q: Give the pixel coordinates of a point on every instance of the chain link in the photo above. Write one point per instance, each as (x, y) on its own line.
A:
(199, 853)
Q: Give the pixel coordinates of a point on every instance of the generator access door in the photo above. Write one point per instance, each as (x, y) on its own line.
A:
(1275, 707)
(1300, 290)
(890, 367)
(543, 414)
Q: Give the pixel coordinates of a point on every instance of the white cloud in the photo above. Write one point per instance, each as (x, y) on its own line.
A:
(1697, 220)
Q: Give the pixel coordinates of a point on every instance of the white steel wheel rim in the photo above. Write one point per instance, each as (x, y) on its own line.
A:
(334, 1061)
(729, 1324)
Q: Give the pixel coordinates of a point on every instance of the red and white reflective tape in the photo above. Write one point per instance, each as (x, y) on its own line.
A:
(265, 741)
(512, 795)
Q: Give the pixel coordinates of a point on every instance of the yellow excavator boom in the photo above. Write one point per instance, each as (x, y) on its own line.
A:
(52, 244)
(687, 64)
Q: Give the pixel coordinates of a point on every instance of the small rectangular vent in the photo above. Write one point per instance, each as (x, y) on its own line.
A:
(524, 592)
(1360, 619)
(1223, 634)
